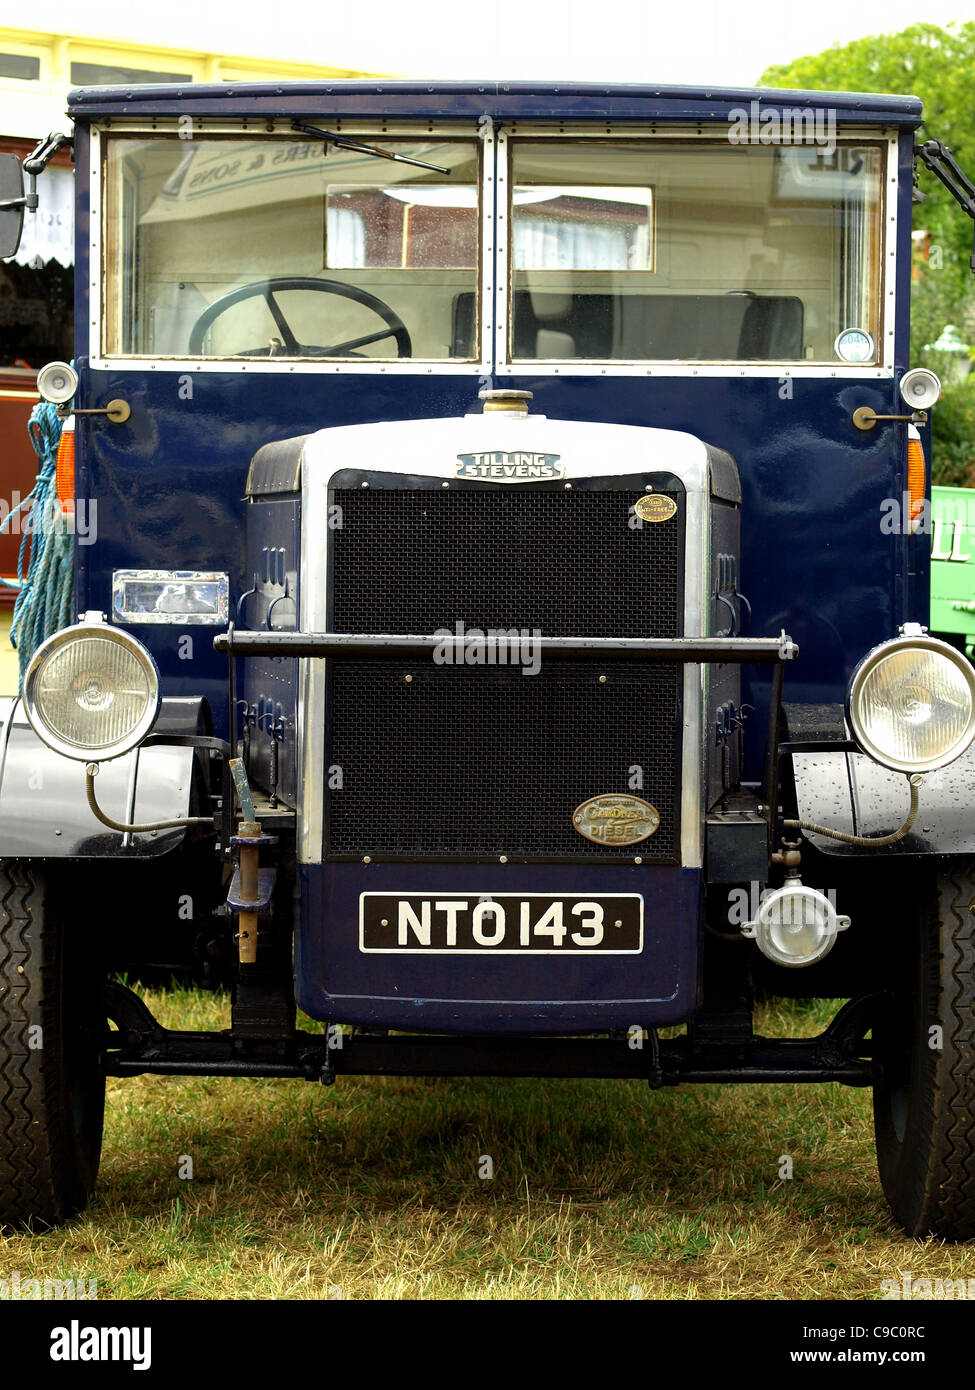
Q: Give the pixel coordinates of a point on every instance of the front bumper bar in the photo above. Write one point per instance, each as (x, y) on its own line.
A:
(399, 646)
(384, 646)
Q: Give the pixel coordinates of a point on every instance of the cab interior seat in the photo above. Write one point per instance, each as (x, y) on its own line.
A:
(739, 326)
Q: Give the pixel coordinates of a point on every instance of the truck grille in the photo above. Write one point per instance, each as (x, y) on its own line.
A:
(472, 762)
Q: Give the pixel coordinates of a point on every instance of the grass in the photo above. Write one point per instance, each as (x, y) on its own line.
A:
(371, 1189)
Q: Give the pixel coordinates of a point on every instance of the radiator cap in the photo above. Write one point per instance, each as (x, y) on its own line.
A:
(506, 399)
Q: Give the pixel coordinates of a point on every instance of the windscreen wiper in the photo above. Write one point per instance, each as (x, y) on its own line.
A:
(343, 143)
(936, 156)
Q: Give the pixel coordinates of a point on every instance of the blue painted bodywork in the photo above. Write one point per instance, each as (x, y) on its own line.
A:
(499, 994)
(169, 487)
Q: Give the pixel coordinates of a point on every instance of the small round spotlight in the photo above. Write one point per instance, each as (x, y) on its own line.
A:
(57, 382)
(91, 692)
(795, 925)
(920, 389)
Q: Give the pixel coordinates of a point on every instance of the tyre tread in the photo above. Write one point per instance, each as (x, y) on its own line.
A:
(39, 1172)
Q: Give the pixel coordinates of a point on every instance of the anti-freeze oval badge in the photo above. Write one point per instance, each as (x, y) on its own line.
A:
(616, 818)
(517, 466)
(656, 506)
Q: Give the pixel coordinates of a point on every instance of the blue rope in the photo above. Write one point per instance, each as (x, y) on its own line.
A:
(45, 602)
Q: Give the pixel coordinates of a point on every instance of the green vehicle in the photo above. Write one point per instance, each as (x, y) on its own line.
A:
(953, 566)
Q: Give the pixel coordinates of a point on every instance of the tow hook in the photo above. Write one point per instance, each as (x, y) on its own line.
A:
(251, 886)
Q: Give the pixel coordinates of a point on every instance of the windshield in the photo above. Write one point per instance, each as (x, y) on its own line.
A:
(679, 250)
(289, 247)
(686, 251)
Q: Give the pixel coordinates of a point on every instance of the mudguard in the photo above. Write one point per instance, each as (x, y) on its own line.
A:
(852, 793)
(43, 810)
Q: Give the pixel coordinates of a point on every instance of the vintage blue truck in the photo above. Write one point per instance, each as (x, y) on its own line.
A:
(501, 619)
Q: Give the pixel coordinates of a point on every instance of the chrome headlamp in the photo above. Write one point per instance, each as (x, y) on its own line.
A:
(795, 925)
(911, 703)
(91, 691)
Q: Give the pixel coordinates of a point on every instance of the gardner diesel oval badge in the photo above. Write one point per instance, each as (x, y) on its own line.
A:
(616, 819)
(655, 506)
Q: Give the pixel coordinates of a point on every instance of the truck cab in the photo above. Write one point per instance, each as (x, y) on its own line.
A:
(501, 613)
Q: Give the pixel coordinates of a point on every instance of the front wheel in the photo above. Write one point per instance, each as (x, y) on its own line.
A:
(924, 1097)
(52, 1023)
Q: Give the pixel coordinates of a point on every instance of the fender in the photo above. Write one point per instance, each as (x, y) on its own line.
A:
(852, 793)
(43, 810)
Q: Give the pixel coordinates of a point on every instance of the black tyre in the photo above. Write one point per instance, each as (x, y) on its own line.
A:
(52, 1021)
(924, 1099)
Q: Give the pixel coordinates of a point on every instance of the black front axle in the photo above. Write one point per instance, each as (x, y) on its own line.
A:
(839, 1054)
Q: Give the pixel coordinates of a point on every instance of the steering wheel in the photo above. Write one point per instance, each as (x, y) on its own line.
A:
(290, 347)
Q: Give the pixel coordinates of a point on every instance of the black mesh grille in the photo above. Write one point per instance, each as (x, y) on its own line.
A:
(567, 562)
(473, 762)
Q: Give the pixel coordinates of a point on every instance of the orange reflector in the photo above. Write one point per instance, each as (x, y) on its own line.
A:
(64, 473)
(915, 479)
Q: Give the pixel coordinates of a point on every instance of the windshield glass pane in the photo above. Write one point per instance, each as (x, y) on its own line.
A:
(325, 251)
(700, 252)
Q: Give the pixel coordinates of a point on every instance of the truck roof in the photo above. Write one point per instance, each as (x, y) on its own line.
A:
(577, 101)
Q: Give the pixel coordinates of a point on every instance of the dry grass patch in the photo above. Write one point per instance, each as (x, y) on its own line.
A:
(370, 1189)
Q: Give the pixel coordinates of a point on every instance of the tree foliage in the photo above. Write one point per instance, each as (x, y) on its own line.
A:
(926, 61)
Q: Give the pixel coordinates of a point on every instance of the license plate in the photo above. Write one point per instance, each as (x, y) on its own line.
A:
(501, 924)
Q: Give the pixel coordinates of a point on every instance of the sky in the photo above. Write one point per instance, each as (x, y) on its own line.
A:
(724, 42)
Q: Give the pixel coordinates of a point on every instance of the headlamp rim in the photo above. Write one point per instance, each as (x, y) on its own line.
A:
(867, 663)
(54, 643)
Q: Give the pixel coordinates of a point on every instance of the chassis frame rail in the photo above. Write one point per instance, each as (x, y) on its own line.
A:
(142, 1045)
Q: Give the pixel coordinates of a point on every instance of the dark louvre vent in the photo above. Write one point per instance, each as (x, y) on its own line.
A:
(476, 761)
